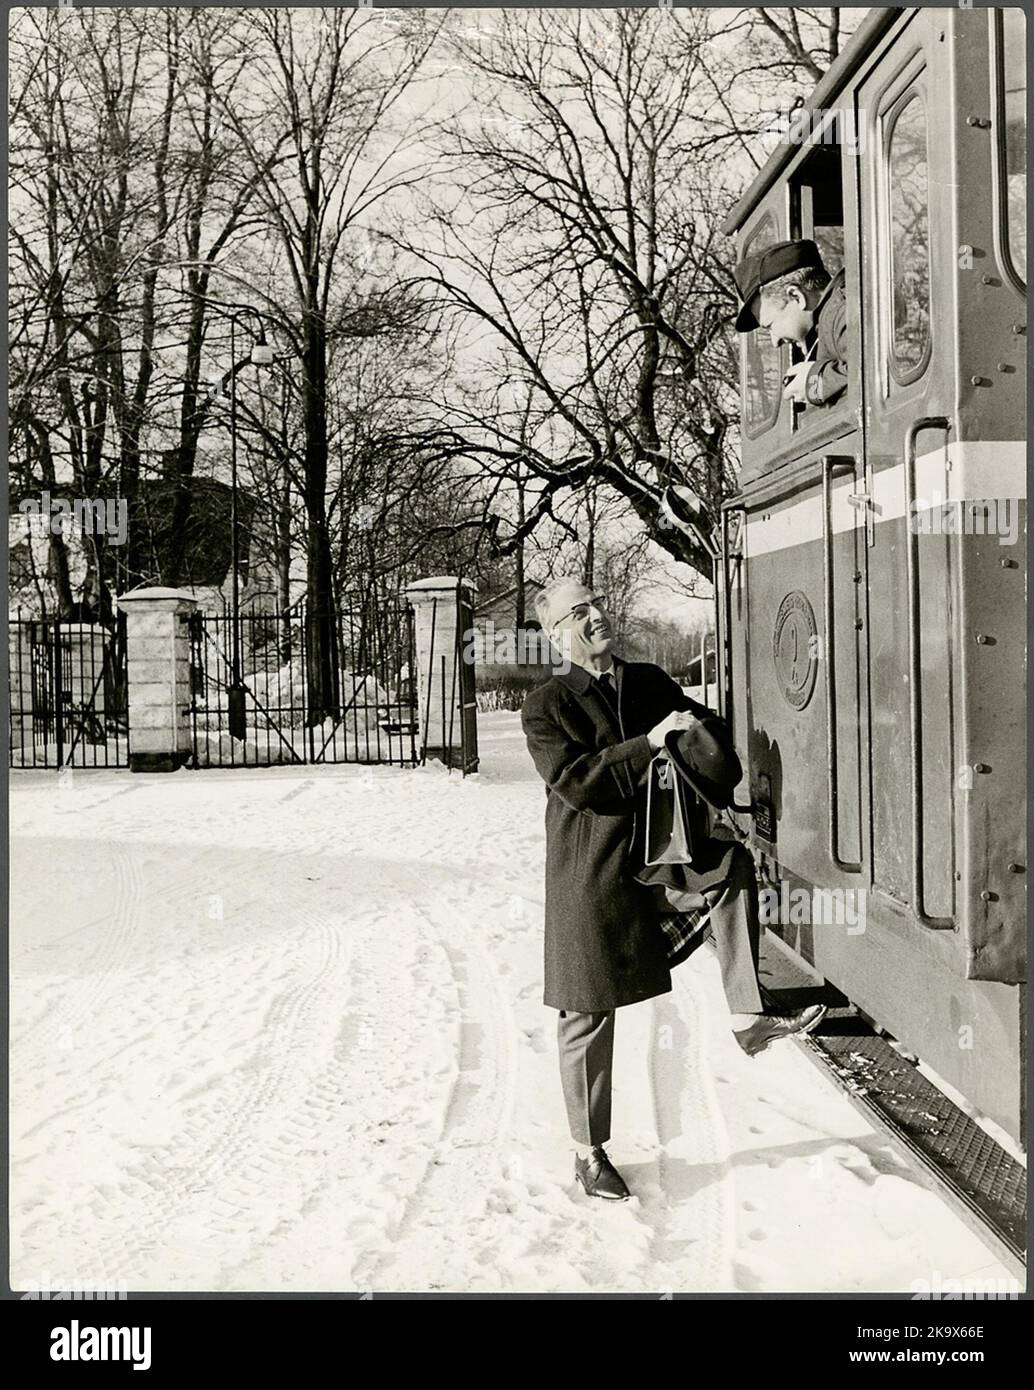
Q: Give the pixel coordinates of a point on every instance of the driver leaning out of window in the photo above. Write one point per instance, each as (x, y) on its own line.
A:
(786, 291)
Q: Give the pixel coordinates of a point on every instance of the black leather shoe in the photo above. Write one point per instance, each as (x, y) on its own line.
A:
(599, 1177)
(766, 1028)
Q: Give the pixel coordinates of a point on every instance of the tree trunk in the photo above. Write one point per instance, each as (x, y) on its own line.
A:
(519, 596)
(321, 649)
(283, 566)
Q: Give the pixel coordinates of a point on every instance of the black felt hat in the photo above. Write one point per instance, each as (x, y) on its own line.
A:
(711, 769)
(766, 265)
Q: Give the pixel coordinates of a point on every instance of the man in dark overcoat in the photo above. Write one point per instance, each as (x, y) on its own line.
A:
(593, 730)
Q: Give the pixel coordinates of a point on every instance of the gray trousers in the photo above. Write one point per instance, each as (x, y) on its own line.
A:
(586, 1040)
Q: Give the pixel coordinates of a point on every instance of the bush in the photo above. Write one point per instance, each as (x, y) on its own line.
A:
(508, 691)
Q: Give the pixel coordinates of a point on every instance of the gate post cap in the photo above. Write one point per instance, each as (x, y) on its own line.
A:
(158, 596)
(437, 583)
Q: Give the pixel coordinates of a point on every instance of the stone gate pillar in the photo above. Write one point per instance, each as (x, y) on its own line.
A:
(158, 672)
(444, 611)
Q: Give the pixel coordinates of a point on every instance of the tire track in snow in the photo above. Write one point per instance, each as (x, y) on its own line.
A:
(359, 1109)
(56, 1026)
(236, 1154)
(478, 1113)
(283, 1133)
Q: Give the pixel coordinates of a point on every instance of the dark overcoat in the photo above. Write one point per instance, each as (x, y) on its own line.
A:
(604, 944)
(828, 376)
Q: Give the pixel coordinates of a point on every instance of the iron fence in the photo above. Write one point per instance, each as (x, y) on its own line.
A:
(68, 693)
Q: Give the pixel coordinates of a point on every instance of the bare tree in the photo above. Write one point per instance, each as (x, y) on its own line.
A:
(118, 170)
(589, 247)
(312, 94)
(765, 61)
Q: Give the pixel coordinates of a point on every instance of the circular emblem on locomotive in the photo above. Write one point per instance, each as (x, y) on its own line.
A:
(794, 649)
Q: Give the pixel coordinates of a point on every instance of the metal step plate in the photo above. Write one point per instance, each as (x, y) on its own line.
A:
(984, 1183)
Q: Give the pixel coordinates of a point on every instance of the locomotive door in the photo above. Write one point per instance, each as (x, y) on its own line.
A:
(906, 307)
(796, 602)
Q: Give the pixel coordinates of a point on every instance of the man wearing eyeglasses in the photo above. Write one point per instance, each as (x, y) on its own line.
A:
(592, 731)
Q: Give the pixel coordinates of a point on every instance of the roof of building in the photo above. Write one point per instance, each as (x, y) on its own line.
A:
(531, 587)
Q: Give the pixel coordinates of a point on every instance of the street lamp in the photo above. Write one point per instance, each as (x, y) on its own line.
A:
(683, 509)
(261, 355)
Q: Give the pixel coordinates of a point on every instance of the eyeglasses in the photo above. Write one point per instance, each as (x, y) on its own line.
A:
(581, 610)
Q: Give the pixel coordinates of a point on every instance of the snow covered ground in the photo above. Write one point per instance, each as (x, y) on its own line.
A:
(282, 1030)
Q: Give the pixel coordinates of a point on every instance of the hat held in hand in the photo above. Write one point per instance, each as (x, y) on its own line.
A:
(707, 763)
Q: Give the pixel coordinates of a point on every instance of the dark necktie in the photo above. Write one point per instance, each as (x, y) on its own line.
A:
(609, 689)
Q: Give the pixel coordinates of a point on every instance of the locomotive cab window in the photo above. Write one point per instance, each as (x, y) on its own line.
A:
(817, 214)
(762, 361)
(817, 202)
(908, 214)
(1009, 46)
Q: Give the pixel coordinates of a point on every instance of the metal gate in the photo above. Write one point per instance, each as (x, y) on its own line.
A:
(68, 693)
(261, 715)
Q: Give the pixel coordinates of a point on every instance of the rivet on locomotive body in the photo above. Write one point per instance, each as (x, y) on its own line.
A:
(979, 381)
(982, 639)
(989, 280)
(1020, 329)
(988, 897)
(1017, 868)
(981, 767)
(1009, 564)
(979, 122)
(1006, 367)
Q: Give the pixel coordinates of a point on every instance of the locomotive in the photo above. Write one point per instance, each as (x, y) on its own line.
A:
(870, 576)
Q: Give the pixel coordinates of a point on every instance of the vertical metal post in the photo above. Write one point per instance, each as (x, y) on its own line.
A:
(234, 532)
(452, 703)
(721, 571)
(238, 722)
(430, 680)
(449, 764)
(411, 676)
(59, 696)
(194, 629)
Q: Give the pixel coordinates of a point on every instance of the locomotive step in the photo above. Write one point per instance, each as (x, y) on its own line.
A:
(980, 1180)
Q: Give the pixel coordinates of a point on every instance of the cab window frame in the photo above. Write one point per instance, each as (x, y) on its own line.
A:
(753, 429)
(910, 88)
(1004, 249)
(808, 419)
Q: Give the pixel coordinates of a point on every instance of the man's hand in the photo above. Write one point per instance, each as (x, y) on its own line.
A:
(795, 382)
(679, 719)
